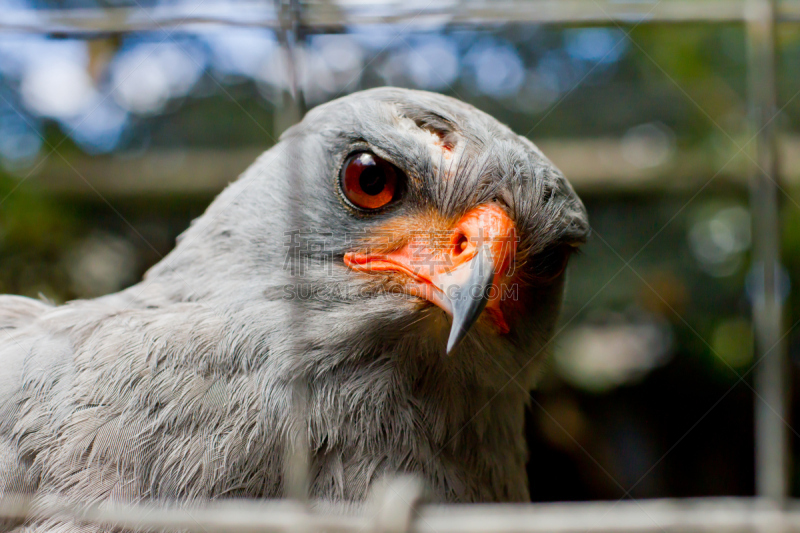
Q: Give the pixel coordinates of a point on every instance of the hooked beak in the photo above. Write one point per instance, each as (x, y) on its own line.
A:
(459, 275)
(466, 293)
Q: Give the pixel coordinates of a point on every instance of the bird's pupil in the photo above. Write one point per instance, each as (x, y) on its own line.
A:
(372, 180)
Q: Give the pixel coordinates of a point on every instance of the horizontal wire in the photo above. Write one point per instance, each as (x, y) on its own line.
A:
(333, 16)
(720, 515)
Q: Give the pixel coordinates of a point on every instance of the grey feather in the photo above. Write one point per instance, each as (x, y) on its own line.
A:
(181, 387)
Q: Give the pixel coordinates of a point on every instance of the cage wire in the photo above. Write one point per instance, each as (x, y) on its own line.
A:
(297, 455)
(396, 506)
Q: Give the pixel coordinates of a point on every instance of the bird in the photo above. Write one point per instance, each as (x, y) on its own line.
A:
(381, 286)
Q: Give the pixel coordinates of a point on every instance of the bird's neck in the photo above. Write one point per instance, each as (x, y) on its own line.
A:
(466, 441)
(455, 421)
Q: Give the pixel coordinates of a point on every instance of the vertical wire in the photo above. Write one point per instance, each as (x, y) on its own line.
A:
(771, 385)
(290, 36)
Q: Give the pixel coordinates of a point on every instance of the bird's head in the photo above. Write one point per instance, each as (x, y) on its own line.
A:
(402, 218)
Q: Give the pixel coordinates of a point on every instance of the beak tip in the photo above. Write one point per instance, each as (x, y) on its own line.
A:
(469, 304)
(452, 342)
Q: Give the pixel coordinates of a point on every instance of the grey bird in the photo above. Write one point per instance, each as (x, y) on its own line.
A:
(382, 284)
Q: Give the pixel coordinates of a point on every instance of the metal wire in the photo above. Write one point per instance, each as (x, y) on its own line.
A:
(322, 16)
(772, 450)
(720, 515)
(290, 36)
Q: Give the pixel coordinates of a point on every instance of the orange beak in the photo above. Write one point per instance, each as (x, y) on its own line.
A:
(460, 270)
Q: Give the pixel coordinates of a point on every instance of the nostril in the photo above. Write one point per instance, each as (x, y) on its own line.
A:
(460, 245)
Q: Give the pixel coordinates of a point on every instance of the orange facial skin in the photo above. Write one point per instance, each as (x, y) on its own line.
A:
(434, 260)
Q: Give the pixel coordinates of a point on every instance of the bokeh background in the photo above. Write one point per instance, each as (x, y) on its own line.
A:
(110, 144)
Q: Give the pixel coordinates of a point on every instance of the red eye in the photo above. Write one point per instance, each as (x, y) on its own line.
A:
(368, 181)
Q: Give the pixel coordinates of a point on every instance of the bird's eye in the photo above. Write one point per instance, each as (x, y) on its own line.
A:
(550, 263)
(369, 182)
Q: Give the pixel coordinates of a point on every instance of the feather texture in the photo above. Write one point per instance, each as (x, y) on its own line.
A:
(183, 386)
